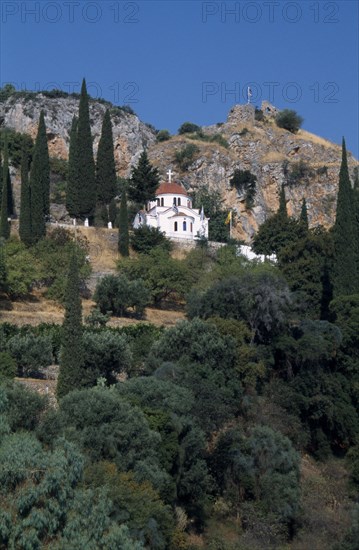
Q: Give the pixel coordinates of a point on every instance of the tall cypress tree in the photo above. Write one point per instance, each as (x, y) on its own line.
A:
(123, 236)
(25, 201)
(304, 215)
(105, 165)
(144, 181)
(356, 221)
(3, 270)
(1, 177)
(72, 173)
(4, 212)
(282, 210)
(344, 266)
(40, 183)
(86, 179)
(113, 212)
(72, 349)
(10, 195)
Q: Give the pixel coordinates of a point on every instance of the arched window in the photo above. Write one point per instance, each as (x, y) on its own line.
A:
(176, 226)
(174, 201)
(184, 226)
(158, 202)
(162, 201)
(179, 201)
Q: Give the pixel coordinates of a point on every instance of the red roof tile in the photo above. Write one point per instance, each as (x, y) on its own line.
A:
(171, 188)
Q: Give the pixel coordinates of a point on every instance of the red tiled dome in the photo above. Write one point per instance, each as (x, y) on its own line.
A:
(171, 188)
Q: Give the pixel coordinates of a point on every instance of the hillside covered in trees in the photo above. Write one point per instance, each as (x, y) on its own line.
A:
(235, 429)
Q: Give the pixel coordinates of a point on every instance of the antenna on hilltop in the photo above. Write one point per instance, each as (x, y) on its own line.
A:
(249, 95)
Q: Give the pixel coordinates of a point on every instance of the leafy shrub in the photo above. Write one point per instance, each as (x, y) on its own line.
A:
(31, 353)
(258, 114)
(289, 120)
(189, 128)
(23, 407)
(22, 269)
(212, 203)
(264, 465)
(16, 142)
(96, 318)
(106, 355)
(6, 91)
(245, 182)
(260, 297)
(163, 135)
(323, 170)
(117, 294)
(8, 367)
(146, 238)
(299, 172)
(185, 156)
(140, 338)
(166, 278)
(59, 166)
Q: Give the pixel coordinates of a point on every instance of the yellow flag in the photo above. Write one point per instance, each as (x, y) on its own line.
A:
(228, 218)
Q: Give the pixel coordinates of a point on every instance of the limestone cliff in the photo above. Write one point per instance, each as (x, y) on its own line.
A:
(21, 112)
(269, 152)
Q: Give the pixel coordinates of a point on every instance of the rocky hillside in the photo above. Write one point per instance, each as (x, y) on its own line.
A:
(306, 163)
(21, 112)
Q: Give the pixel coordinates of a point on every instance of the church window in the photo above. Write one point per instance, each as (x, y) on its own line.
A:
(158, 202)
(162, 201)
(179, 201)
(174, 201)
(184, 226)
(176, 226)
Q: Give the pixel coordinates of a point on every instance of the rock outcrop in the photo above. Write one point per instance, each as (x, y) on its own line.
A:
(130, 135)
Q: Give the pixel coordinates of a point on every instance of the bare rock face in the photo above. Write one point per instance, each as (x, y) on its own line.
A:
(131, 135)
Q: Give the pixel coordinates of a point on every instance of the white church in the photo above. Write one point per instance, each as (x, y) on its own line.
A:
(173, 214)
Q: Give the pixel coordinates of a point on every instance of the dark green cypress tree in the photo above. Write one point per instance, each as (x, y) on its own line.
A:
(40, 183)
(10, 195)
(344, 265)
(144, 181)
(25, 201)
(86, 179)
(105, 165)
(4, 213)
(3, 270)
(304, 215)
(1, 177)
(72, 173)
(356, 221)
(72, 349)
(123, 236)
(282, 210)
(113, 212)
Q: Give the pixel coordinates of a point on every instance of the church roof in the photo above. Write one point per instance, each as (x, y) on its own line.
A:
(171, 189)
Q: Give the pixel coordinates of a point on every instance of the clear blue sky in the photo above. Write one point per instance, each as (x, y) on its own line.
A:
(174, 61)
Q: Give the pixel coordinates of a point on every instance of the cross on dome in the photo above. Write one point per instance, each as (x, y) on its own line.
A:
(169, 173)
